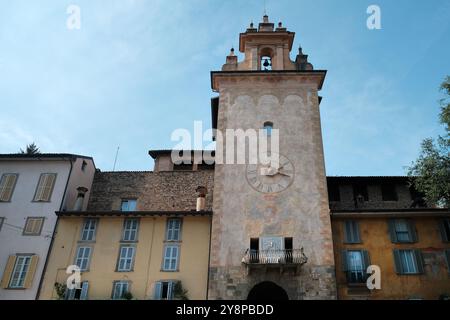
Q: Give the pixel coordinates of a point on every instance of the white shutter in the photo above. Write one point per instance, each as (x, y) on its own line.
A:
(7, 184)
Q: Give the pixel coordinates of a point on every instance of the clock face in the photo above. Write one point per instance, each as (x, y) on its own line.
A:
(267, 179)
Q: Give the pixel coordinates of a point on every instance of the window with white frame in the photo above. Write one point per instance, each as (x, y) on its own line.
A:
(78, 293)
(89, 228)
(126, 258)
(7, 184)
(171, 258)
(119, 289)
(408, 261)
(83, 258)
(128, 205)
(173, 229)
(45, 187)
(164, 290)
(33, 226)
(130, 229)
(20, 271)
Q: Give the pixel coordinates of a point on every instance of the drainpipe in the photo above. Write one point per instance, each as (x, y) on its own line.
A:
(54, 233)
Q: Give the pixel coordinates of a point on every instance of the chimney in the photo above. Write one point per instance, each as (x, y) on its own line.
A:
(201, 201)
(80, 199)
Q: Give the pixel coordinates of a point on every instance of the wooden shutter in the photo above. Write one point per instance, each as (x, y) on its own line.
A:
(8, 271)
(419, 260)
(444, 235)
(344, 260)
(48, 186)
(84, 290)
(366, 259)
(447, 257)
(7, 184)
(39, 189)
(392, 232)
(347, 231)
(45, 187)
(412, 230)
(397, 262)
(31, 271)
(158, 290)
(356, 231)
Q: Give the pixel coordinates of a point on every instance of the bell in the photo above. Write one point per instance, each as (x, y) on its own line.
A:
(266, 63)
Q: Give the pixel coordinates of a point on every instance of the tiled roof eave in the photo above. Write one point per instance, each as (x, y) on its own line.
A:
(114, 213)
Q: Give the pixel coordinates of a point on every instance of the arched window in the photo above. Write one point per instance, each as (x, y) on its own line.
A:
(265, 62)
(268, 126)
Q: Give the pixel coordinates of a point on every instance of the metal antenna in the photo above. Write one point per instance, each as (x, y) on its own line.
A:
(265, 11)
(115, 159)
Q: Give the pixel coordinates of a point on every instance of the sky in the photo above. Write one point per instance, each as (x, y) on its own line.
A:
(136, 70)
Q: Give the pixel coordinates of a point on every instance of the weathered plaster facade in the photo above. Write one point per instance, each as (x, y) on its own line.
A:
(290, 102)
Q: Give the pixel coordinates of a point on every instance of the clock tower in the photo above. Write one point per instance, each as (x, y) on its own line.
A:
(271, 231)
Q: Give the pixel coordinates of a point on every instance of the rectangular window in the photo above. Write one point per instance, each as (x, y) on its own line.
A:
(171, 257)
(408, 261)
(360, 192)
(128, 205)
(173, 229)
(33, 226)
(130, 229)
(119, 289)
(126, 258)
(333, 192)
(444, 226)
(402, 231)
(351, 231)
(355, 265)
(1, 223)
(164, 290)
(20, 271)
(88, 231)
(45, 187)
(7, 184)
(389, 192)
(83, 258)
(78, 294)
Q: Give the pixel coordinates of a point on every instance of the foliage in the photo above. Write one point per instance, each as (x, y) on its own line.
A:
(431, 171)
(179, 293)
(60, 290)
(127, 295)
(30, 149)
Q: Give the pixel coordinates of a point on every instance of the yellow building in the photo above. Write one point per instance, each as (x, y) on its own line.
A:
(130, 242)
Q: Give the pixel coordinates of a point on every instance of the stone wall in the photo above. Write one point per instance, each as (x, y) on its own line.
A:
(300, 212)
(375, 200)
(154, 191)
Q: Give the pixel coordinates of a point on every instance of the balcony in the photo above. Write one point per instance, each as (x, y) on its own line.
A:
(282, 259)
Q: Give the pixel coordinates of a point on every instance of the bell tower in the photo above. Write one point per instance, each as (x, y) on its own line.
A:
(271, 230)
